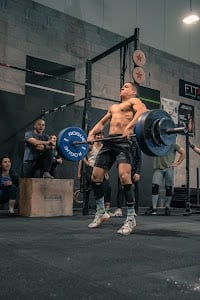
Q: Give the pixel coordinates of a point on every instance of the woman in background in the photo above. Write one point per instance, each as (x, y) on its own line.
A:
(9, 182)
(57, 159)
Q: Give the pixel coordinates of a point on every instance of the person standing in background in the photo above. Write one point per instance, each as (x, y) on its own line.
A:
(85, 168)
(164, 170)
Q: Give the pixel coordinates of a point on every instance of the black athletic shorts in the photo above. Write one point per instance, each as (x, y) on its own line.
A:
(118, 150)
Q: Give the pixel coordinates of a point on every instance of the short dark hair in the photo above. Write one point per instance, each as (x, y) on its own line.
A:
(134, 86)
(99, 132)
(39, 119)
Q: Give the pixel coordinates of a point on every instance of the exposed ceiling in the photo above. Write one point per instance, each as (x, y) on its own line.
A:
(160, 21)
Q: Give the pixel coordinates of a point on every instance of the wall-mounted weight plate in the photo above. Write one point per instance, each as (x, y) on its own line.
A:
(138, 75)
(66, 147)
(138, 58)
(145, 125)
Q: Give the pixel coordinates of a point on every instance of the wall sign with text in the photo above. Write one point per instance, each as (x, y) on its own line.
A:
(189, 90)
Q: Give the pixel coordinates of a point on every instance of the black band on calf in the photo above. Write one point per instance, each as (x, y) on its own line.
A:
(98, 190)
(129, 195)
(168, 191)
(155, 189)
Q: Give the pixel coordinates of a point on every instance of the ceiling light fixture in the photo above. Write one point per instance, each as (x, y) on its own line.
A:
(192, 18)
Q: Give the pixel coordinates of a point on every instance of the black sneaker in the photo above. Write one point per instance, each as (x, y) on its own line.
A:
(167, 211)
(11, 212)
(151, 211)
(154, 211)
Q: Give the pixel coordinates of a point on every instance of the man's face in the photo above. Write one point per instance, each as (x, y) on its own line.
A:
(53, 139)
(39, 126)
(127, 90)
(99, 136)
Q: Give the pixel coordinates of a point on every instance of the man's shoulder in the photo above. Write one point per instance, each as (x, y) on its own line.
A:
(29, 133)
(135, 99)
(129, 101)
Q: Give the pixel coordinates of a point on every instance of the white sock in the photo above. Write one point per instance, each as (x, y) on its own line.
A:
(154, 201)
(131, 212)
(168, 201)
(100, 206)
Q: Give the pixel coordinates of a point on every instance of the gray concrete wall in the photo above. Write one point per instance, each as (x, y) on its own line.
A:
(28, 28)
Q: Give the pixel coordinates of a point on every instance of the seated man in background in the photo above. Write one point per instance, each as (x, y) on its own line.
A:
(9, 182)
(38, 154)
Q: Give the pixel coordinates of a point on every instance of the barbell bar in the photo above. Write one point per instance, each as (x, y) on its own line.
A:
(112, 138)
(109, 138)
(155, 132)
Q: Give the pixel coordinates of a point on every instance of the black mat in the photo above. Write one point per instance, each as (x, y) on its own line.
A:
(60, 258)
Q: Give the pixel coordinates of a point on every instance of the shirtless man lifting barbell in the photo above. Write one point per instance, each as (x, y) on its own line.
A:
(122, 119)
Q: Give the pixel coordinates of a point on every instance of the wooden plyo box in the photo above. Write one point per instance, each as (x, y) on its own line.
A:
(43, 197)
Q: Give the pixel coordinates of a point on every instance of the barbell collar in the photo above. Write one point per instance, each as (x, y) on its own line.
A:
(176, 130)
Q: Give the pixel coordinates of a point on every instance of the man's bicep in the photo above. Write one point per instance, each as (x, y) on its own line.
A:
(106, 117)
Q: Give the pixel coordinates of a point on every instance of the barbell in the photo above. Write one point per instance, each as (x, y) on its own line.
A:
(155, 132)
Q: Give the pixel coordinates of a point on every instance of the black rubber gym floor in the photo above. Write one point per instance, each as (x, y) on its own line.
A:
(60, 258)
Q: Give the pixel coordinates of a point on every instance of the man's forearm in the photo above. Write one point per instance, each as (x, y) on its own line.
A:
(194, 148)
(36, 142)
